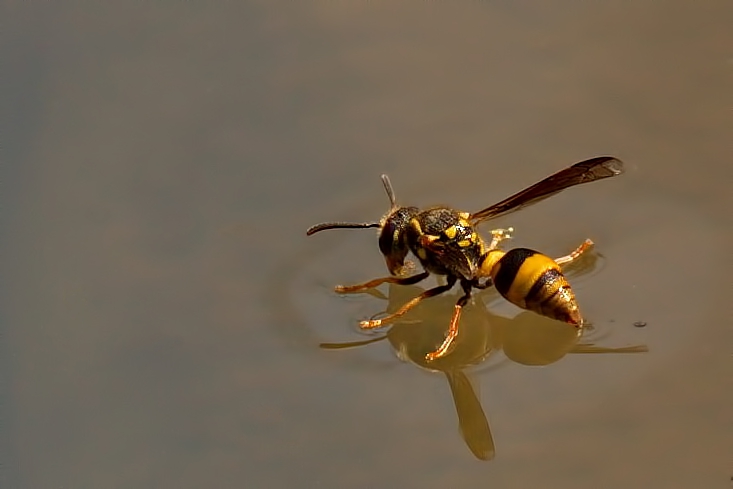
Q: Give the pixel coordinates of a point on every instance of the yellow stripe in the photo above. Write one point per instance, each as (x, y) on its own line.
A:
(487, 266)
(531, 270)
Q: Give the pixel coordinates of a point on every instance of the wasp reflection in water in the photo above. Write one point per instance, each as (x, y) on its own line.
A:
(527, 339)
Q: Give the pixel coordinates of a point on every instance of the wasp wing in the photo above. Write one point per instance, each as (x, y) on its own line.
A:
(583, 172)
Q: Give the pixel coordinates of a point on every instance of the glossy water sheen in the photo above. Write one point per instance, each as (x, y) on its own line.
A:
(163, 309)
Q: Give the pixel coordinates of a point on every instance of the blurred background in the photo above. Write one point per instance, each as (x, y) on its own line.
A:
(162, 309)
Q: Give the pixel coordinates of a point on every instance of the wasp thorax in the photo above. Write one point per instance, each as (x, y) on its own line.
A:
(392, 239)
(445, 242)
(448, 226)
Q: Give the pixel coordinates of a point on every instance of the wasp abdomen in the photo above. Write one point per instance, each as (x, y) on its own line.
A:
(534, 281)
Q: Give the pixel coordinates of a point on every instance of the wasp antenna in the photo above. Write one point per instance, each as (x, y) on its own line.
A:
(390, 192)
(341, 225)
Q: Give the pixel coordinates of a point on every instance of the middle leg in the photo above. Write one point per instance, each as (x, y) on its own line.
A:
(499, 235)
(453, 327)
(376, 323)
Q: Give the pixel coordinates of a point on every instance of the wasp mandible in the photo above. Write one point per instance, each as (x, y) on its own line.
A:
(446, 243)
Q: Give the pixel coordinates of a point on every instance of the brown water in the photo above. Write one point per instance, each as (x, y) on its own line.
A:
(163, 309)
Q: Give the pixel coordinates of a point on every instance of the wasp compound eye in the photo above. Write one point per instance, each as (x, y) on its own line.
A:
(392, 239)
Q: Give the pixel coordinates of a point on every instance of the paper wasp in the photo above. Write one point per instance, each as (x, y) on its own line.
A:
(446, 243)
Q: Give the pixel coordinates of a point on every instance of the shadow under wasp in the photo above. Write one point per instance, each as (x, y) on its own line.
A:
(446, 243)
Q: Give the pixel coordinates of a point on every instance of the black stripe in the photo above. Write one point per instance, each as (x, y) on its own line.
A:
(509, 266)
(544, 280)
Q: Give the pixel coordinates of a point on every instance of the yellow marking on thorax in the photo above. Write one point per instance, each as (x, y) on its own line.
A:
(451, 232)
(416, 224)
(531, 270)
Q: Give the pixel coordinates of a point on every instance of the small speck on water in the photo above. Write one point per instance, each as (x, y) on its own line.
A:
(640, 324)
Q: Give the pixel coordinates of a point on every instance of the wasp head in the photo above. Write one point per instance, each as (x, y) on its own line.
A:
(392, 237)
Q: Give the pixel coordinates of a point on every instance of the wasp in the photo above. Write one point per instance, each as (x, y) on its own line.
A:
(446, 243)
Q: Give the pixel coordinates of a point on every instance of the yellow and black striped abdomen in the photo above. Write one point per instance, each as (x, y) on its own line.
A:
(534, 281)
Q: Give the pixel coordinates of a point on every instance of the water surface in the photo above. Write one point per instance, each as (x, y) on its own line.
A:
(163, 308)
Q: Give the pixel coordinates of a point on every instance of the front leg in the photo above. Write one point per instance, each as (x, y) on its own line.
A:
(350, 289)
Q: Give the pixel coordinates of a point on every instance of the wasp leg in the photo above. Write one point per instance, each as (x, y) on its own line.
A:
(499, 235)
(348, 289)
(487, 283)
(375, 323)
(453, 328)
(564, 260)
